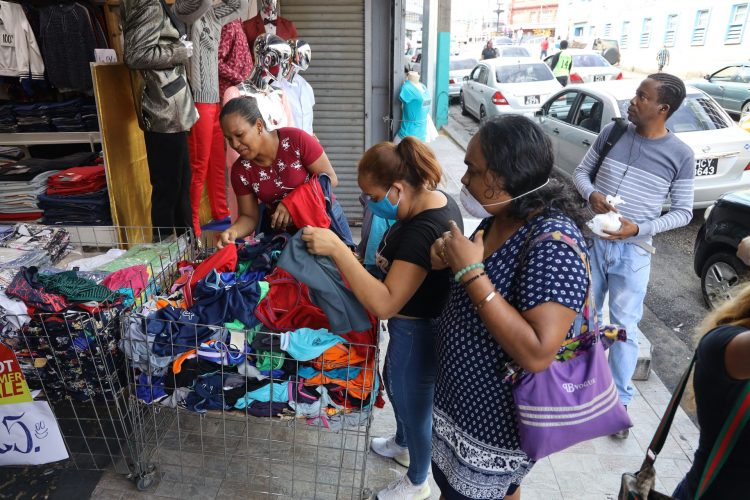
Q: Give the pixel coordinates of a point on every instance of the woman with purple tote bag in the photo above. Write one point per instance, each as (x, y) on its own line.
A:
(520, 285)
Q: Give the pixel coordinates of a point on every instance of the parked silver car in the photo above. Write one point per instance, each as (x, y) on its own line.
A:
(504, 85)
(573, 118)
(588, 66)
(458, 69)
(730, 86)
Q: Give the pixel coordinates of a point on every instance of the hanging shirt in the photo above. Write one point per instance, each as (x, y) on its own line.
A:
(19, 53)
(301, 99)
(297, 150)
(416, 106)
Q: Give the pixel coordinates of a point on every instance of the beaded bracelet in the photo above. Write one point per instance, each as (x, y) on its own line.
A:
(485, 300)
(473, 278)
(470, 267)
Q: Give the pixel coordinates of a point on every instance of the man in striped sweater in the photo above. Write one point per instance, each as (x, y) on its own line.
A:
(646, 167)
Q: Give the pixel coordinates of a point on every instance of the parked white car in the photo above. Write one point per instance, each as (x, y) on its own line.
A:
(505, 85)
(458, 69)
(573, 118)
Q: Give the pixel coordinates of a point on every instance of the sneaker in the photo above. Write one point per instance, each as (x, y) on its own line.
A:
(387, 447)
(623, 434)
(403, 489)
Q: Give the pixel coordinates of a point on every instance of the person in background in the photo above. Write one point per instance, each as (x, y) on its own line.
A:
(401, 181)
(500, 308)
(557, 43)
(662, 57)
(561, 64)
(722, 371)
(544, 47)
(489, 51)
(270, 166)
(646, 167)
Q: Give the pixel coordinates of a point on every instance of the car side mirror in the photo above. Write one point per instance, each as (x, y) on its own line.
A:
(466, 79)
(540, 114)
(707, 77)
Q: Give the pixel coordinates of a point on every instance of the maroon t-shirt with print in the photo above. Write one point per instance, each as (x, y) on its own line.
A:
(297, 151)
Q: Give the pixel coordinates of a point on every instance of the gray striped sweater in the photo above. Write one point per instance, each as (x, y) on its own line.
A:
(645, 173)
(205, 19)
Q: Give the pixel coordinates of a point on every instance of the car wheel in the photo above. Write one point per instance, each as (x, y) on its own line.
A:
(720, 276)
(464, 111)
(745, 109)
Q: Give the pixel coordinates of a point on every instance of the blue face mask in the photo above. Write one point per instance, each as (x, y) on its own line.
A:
(384, 208)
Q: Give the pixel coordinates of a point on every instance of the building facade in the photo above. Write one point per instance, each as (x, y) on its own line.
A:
(534, 17)
(701, 35)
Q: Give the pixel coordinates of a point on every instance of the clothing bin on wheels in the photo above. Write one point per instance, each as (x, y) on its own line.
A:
(70, 358)
(234, 431)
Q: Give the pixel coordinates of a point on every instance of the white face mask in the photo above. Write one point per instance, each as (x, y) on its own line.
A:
(476, 209)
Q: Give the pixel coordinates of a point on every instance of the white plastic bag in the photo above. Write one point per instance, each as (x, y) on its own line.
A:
(609, 221)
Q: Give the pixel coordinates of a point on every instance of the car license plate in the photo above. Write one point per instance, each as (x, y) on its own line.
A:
(599, 78)
(706, 166)
(531, 99)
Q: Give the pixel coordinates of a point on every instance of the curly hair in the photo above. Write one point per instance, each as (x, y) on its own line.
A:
(520, 156)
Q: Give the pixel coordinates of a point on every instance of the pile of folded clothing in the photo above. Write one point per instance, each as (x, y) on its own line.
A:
(72, 115)
(77, 196)
(22, 182)
(10, 154)
(50, 241)
(7, 119)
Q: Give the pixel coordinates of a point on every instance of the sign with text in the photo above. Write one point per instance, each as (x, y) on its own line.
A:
(13, 386)
(29, 435)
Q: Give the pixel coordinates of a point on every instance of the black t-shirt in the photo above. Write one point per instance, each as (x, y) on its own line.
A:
(410, 241)
(488, 53)
(715, 396)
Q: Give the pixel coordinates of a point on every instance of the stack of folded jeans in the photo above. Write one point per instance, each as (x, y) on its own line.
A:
(77, 196)
(72, 115)
(7, 119)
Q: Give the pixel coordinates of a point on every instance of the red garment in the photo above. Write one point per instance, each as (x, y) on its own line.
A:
(135, 278)
(21, 216)
(297, 151)
(77, 180)
(287, 306)
(307, 205)
(224, 260)
(235, 61)
(254, 27)
(545, 44)
(206, 145)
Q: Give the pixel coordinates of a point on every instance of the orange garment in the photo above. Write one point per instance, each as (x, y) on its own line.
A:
(358, 387)
(338, 356)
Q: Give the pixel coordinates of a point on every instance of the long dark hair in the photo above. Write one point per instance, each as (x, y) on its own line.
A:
(518, 153)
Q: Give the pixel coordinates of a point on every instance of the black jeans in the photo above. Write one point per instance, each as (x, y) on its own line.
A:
(169, 171)
(563, 80)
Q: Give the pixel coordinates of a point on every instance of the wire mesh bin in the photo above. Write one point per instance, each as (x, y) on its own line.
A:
(71, 354)
(266, 415)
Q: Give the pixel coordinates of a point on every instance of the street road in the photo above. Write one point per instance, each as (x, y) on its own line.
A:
(674, 304)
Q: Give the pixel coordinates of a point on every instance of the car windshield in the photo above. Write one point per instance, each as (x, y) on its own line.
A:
(697, 113)
(513, 52)
(589, 60)
(522, 73)
(459, 64)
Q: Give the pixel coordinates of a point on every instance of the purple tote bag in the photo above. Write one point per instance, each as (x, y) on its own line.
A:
(571, 401)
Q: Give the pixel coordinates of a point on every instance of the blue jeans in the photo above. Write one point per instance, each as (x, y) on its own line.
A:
(622, 269)
(410, 366)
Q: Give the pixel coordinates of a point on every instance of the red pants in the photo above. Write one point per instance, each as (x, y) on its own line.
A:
(206, 144)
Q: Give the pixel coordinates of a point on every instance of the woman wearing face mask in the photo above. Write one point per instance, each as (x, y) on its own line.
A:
(400, 182)
(513, 298)
(271, 165)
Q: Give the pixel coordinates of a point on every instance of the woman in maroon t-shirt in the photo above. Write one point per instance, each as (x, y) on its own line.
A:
(270, 166)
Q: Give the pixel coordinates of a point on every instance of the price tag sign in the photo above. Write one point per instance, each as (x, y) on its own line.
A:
(29, 435)
(13, 386)
(107, 56)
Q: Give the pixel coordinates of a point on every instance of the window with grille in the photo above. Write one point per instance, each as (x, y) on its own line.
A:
(699, 28)
(646, 32)
(736, 25)
(624, 35)
(607, 30)
(670, 32)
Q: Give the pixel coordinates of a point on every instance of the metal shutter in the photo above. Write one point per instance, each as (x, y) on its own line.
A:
(335, 29)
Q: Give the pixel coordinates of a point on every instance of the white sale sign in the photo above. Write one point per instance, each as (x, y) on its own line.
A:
(29, 435)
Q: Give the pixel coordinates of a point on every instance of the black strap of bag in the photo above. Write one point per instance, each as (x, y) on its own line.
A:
(621, 125)
(179, 25)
